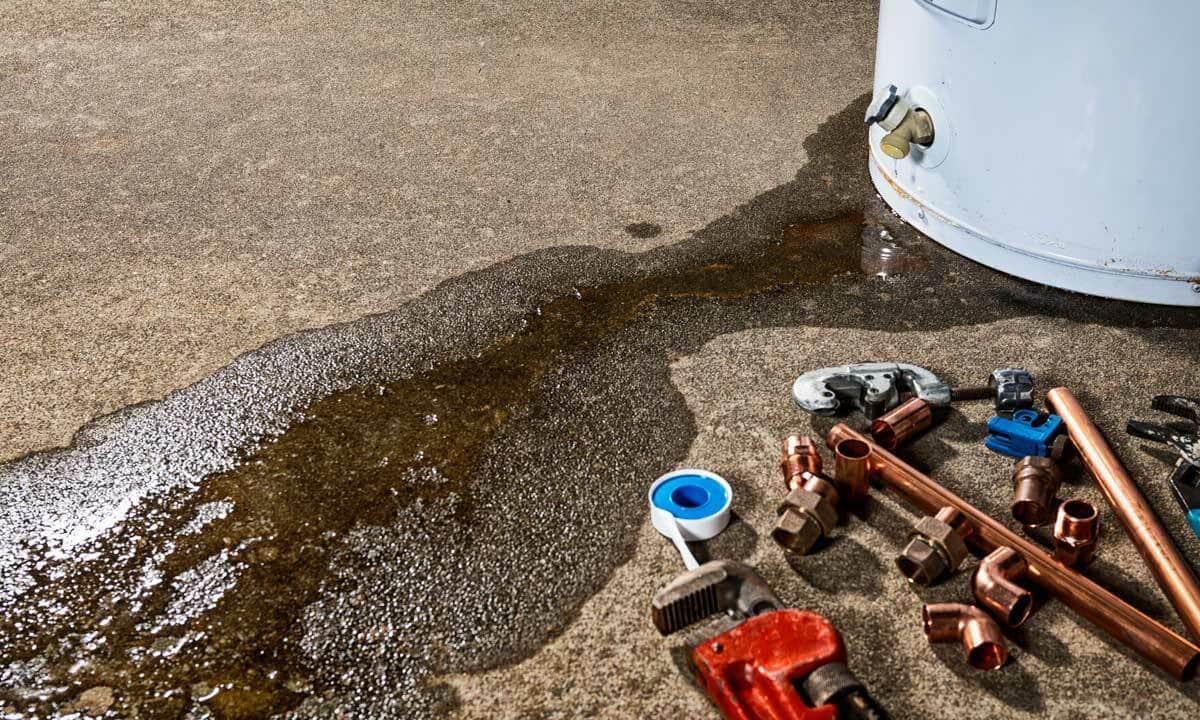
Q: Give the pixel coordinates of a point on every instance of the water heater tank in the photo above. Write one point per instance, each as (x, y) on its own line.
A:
(1055, 141)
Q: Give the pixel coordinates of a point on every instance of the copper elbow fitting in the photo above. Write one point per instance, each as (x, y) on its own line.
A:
(807, 514)
(899, 424)
(1035, 483)
(799, 456)
(996, 590)
(935, 547)
(1076, 532)
(850, 468)
(980, 635)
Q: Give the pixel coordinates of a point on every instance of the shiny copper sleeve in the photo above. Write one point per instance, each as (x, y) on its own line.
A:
(1121, 621)
(1144, 528)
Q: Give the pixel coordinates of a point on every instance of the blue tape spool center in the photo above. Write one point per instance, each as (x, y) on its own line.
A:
(690, 497)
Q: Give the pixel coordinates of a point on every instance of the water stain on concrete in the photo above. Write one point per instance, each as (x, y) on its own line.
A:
(339, 516)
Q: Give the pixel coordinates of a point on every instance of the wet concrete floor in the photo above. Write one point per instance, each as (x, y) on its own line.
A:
(336, 520)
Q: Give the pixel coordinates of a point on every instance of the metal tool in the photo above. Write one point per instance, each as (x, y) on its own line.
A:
(1026, 433)
(1185, 476)
(776, 664)
(873, 388)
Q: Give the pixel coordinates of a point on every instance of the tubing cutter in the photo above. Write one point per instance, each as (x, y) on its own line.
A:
(776, 663)
(1185, 476)
(875, 388)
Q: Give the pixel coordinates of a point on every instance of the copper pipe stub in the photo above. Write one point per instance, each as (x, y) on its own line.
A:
(1076, 532)
(981, 638)
(850, 468)
(799, 456)
(895, 427)
(1035, 483)
(995, 588)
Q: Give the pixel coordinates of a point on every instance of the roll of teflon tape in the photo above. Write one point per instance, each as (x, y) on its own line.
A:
(697, 502)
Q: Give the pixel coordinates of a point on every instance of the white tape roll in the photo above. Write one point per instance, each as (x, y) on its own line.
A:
(689, 505)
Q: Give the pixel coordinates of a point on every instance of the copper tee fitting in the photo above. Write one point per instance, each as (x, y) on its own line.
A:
(980, 636)
(1035, 483)
(1076, 532)
(799, 455)
(935, 547)
(895, 427)
(850, 469)
(995, 588)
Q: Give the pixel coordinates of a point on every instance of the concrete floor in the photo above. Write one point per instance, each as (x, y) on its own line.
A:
(186, 187)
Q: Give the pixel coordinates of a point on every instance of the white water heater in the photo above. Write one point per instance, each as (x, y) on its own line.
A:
(1051, 140)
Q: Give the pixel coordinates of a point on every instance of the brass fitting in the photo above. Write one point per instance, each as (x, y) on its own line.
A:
(980, 636)
(1076, 531)
(799, 456)
(995, 588)
(916, 127)
(807, 514)
(902, 422)
(935, 547)
(850, 469)
(1035, 483)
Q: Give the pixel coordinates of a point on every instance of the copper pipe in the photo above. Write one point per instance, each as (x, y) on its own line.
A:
(1035, 483)
(799, 456)
(980, 636)
(1127, 625)
(850, 469)
(1076, 532)
(895, 427)
(1144, 528)
(995, 588)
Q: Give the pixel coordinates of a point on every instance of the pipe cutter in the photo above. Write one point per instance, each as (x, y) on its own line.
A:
(776, 663)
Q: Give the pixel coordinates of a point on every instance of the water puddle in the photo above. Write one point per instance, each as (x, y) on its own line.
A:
(441, 521)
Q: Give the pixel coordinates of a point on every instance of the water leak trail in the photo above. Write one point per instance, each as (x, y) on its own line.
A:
(336, 518)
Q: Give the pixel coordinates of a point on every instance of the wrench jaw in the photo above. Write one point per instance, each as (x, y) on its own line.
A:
(720, 586)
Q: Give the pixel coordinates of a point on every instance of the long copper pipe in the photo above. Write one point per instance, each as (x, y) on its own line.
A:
(1124, 623)
(1144, 528)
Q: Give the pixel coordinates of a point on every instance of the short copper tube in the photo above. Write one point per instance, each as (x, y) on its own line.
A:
(1076, 532)
(995, 587)
(981, 638)
(1035, 483)
(1124, 623)
(799, 456)
(850, 468)
(1158, 550)
(895, 427)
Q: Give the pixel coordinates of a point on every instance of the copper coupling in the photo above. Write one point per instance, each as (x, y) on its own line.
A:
(995, 588)
(1076, 532)
(936, 547)
(809, 512)
(1035, 484)
(850, 470)
(799, 455)
(979, 634)
(895, 427)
